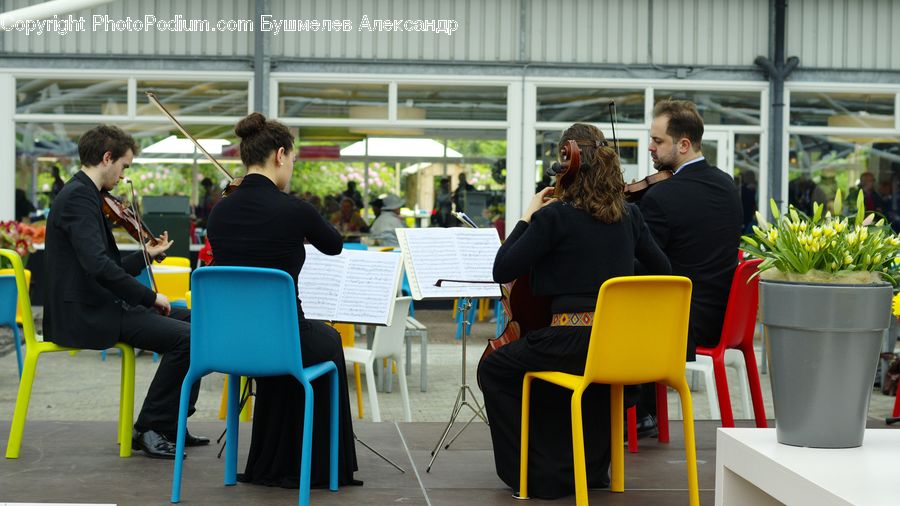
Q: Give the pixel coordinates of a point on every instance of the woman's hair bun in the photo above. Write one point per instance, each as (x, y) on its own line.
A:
(250, 126)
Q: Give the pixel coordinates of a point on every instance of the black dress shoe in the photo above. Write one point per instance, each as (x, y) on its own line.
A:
(646, 427)
(153, 444)
(189, 439)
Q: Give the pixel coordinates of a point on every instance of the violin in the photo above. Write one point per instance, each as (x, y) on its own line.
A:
(233, 182)
(122, 215)
(634, 191)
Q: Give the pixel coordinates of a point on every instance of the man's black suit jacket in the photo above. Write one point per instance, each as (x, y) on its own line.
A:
(696, 218)
(87, 280)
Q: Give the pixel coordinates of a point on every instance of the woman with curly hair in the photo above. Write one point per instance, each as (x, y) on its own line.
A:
(570, 244)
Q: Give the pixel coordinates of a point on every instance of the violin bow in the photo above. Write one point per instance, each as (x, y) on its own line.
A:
(612, 113)
(155, 100)
(143, 241)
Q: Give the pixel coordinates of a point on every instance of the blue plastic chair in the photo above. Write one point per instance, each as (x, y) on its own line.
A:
(9, 296)
(356, 245)
(250, 336)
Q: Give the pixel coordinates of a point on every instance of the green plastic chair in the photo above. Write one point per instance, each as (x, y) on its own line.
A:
(33, 350)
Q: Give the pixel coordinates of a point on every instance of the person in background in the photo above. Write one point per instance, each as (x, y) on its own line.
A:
(58, 183)
(352, 194)
(459, 195)
(347, 220)
(383, 228)
(24, 207)
(208, 200)
(748, 199)
(871, 199)
(443, 205)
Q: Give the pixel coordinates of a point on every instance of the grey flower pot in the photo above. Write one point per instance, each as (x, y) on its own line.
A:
(824, 342)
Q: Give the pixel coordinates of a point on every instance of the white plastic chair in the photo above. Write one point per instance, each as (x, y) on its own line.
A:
(387, 343)
(733, 360)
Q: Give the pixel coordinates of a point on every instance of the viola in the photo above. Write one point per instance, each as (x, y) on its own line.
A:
(122, 215)
(636, 190)
(567, 168)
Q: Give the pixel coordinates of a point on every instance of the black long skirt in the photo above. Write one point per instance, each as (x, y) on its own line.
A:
(276, 440)
(550, 466)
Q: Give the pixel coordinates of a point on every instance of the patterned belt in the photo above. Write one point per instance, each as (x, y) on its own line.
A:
(585, 319)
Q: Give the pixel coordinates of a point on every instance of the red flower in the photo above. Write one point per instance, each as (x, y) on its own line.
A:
(22, 248)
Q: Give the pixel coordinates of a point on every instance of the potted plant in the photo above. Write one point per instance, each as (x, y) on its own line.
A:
(825, 302)
(18, 237)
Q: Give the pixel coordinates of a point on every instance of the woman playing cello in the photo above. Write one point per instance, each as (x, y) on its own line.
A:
(570, 245)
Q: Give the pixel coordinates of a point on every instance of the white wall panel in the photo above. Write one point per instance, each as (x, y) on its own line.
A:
(849, 34)
(148, 42)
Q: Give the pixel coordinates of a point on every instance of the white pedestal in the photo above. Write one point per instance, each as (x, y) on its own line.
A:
(752, 468)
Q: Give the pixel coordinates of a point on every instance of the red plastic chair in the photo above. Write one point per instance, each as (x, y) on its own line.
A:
(737, 333)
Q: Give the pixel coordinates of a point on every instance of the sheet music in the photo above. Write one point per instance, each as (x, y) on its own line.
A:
(353, 287)
(449, 253)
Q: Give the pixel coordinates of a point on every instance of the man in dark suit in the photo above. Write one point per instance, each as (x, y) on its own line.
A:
(93, 299)
(696, 218)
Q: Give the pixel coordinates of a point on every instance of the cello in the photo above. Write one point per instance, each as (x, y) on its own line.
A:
(525, 311)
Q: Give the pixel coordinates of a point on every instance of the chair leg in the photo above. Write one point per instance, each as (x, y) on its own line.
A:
(223, 403)
(183, 400)
(631, 427)
(373, 393)
(690, 448)
(333, 433)
(423, 361)
(662, 412)
(896, 411)
(306, 451)
(232, 426)
(404, 392)
(759, 408)
(710, 382)
(616, 409)
(523, 441)
(17, 429)
(247, 412)
(735, 360)
(721, 388)
(126, 402)
(581, 494)
(357, 376)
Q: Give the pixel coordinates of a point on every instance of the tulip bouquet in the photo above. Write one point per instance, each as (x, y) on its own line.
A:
(829, 248)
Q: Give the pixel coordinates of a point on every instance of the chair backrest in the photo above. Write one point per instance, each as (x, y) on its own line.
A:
(389, 340)
(743, 302)
(12, 276)
(640, 330)
(356, 245)
(176, 261)
(244, 321)
(172, 283)
(20, 294)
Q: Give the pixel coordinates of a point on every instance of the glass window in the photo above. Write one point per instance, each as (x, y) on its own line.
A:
(746, 175)
(819, 165)
(856, 110)
(589, 105)
(485, 103)
(190, 98)
(315, 100)
(719, 107)
(71, 96)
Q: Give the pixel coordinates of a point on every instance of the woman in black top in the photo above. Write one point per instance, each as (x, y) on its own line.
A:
(258, 225)
(570, 245)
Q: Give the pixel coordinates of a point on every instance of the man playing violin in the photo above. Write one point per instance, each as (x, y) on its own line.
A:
(93, 299)
(696, 218)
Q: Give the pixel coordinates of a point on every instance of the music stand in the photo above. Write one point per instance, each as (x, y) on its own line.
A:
(465, 304)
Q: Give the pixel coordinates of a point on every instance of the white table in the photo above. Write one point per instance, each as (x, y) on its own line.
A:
(752, 468)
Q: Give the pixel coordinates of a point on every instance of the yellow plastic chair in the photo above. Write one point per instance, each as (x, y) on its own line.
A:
(173, 284)
(627, 347)
(33, 350)
(348, 340)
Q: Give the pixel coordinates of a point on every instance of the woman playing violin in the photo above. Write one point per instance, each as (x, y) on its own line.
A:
(569, 244)
(259, 225)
